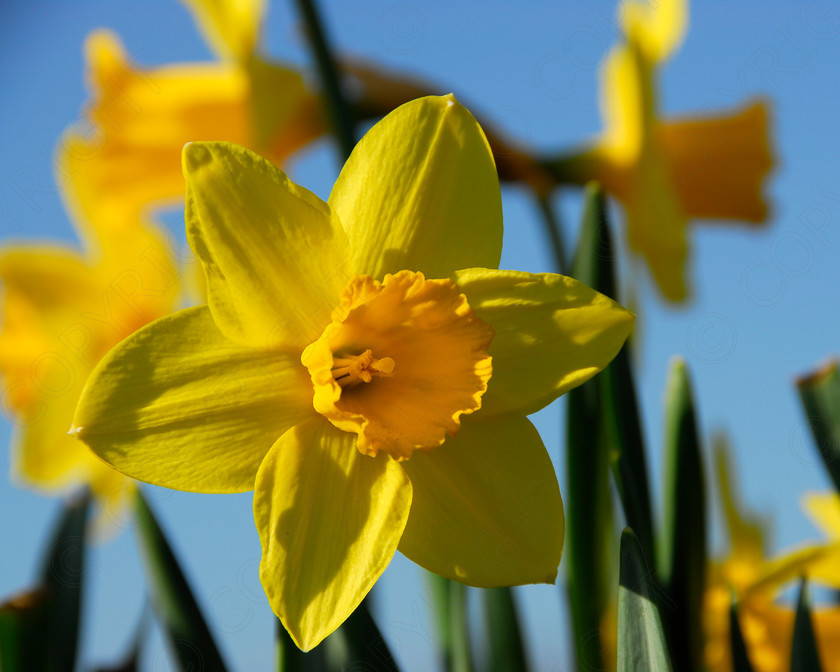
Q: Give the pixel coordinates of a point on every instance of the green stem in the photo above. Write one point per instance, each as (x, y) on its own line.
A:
(335, 104)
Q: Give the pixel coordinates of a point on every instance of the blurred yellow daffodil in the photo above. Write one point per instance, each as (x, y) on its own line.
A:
(362, 366)
(755, 582)
(138, 119)
(666, 172)
(62, 309)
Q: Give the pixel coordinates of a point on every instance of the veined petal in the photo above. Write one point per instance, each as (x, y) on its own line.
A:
(329, 520)
(231, 27)
(273, 253)
(552, 334)
(658, 28)
(420, 193)
(824, 511)
(179, 405)
(487, 509)
(718, 164)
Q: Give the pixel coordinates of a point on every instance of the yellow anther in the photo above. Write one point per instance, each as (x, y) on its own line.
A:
(355, 369)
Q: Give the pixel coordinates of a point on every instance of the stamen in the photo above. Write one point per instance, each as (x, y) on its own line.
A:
(355, 369)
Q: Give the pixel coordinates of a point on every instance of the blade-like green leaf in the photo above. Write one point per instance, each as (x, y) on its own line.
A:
(589, 522)
(820, 394)
(22, 632)
(172, 599)
(449, 605)
(63, 576)
(804, 653)
(641, 640)
(504, 634)
(621, 409)
(291, 659)
(39, 630)
(683, 557)
(740, 656)
(358, 645)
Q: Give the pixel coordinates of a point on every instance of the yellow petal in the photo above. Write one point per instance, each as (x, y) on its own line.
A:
(273, 253)
(658, 27)
(44, 455)
(487, 509)
(627, 104)
(745, 531)
(231, 27)
(718, 164)
(179, 405)
(329, 520)
(139, 120)
(50, 277)
(824, 511)
(552, 334)
(285, 114)
(420, 193)
(657, 228)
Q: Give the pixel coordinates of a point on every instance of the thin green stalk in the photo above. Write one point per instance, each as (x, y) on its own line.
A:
(337, 109)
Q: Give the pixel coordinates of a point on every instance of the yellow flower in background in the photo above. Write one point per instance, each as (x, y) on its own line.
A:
(138, 119)
(362, 367)
(756, 581)
(666, 172)
(62, 309)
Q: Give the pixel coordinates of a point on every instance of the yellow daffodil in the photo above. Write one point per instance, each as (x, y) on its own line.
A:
(62, 309)
(755, 581)
(362, 367)
(138, 119)
(666, 172)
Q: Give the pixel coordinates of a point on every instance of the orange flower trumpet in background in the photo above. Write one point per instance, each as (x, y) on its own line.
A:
(667, 172)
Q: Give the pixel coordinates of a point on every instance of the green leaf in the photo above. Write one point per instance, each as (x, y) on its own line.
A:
(39, 630)
(740, 656)
(504, 634)
(172, 598)
(820, 395)
(804, 653)
(22, 632)
(358, 645)
(63, 576)
(641, 640)
(683, 558)
(626, 445)
(589, 523)
(449, 605)
(291, 659)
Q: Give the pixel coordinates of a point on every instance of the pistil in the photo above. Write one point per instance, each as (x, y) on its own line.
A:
(354, 369)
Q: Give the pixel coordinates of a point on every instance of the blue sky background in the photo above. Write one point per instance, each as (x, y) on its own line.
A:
(765, 304)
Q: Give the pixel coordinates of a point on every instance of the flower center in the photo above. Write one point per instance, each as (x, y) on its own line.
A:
(400, 362)
(355, 369)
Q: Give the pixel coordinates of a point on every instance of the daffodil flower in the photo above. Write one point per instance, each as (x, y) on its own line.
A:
(62, 309)
(755, 581)
(138, 119)
(362, 367)
(666, 172)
